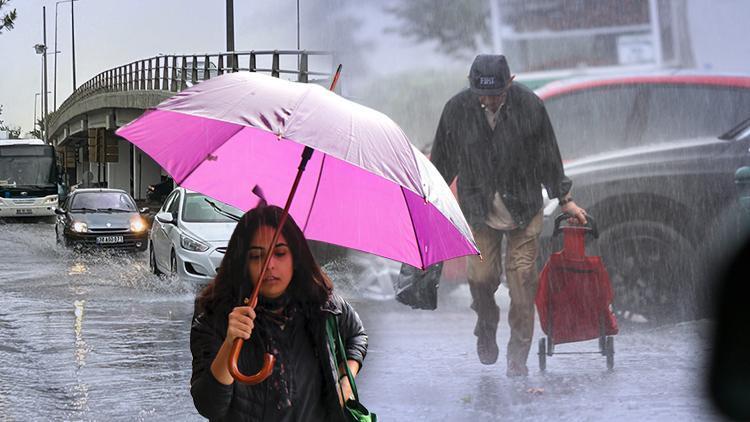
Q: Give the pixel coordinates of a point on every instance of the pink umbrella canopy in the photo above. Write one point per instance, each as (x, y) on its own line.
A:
(366, 186)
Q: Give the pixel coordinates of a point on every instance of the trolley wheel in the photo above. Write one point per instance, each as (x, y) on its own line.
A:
(550, 347)
(610, 351)
(542, 354)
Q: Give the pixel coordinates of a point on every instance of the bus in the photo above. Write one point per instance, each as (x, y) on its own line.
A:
(28, 178)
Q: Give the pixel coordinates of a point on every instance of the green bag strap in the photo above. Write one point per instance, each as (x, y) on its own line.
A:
(337, 347)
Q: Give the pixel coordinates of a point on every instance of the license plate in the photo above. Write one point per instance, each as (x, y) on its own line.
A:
(109, 239)
(23, 211)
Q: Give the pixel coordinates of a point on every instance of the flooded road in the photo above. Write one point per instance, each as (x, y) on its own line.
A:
(89, 337)
(96, 337)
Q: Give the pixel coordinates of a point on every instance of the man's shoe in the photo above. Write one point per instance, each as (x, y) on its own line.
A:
(516, 370)
(486, 345)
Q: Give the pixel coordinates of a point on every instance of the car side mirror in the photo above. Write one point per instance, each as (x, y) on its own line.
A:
(143, 210)
(165, 218)
(59, 211)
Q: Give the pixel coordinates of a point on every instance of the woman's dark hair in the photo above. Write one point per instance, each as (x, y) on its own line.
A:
(232, 283)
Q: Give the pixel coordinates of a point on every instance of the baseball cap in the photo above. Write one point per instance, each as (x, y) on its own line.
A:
(489, 74)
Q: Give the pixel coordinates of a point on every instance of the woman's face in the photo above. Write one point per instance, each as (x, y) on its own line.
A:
(280, 269)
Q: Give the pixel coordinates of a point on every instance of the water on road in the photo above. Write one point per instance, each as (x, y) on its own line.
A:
(97, 337)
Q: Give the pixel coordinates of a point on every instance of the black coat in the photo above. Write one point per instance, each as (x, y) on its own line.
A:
(515, 159)
(239, 402)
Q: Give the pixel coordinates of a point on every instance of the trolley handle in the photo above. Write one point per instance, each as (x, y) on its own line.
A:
(590, 225)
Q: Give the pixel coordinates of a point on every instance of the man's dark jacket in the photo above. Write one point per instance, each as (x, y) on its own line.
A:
(515, 159)
(239, 402)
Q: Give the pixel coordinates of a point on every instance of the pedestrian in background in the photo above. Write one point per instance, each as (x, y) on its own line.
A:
(295, 300)
(497, 139)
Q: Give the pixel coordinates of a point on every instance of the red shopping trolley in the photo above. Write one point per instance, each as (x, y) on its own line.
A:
(574, 299)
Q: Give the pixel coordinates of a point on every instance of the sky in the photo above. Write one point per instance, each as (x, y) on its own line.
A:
(109, 33)
(114, 32)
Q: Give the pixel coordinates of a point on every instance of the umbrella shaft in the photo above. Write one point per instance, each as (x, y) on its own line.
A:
(306, 155)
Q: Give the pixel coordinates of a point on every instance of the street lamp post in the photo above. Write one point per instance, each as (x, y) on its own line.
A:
(495, 26)
(73, 41)
(54, 77)
(36, 99)
(230, 32)
(297, 26)
(42, 49)
(36, 96)
(44, 93)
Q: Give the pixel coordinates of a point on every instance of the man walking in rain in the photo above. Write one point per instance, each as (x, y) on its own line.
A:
(497, 139)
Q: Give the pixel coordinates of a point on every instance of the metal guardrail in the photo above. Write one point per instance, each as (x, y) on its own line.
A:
(177, 72)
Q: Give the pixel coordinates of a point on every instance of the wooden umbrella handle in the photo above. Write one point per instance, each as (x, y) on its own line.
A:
(265, 371)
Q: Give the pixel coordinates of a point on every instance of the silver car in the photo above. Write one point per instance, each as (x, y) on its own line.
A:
(189, 236)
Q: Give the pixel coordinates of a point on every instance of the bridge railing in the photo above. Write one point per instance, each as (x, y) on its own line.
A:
(177, 72)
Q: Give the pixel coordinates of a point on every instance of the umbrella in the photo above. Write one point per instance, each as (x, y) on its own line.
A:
(365, 185)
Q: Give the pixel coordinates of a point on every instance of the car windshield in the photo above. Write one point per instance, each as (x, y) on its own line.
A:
(102, 201)
(196, 210)
(616, 117)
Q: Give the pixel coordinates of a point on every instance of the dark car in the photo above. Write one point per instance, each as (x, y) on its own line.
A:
(605, 114)
(647, 159)
(101, 218)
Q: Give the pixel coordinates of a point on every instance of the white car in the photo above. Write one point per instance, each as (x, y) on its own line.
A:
(189, 236)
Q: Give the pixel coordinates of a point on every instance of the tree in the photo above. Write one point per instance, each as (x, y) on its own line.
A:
(457, 26)
(2, 122)
(430, 89)
(37, 132)
(335, 29)
(14, 132)
(8, 19)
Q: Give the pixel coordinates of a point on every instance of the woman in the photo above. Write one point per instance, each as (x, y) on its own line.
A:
(295, 300)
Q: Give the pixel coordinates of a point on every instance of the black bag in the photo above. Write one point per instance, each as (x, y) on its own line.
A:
(353, 409)
(417, 288)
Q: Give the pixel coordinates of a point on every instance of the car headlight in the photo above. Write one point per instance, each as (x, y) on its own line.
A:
(191, 244)
(50, 199)
(80, 227)
(137, 225)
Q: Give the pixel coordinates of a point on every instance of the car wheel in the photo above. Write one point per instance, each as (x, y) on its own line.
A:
(609, 347)
(542, 354)
(377, 283)
(374, 276)
(173, 263)
(152, 260)
(61, 239)
(652, 270)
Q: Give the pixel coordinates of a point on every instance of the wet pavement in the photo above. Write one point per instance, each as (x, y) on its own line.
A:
(96, 337)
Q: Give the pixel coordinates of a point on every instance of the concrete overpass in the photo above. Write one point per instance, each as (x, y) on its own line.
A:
(82, 128)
